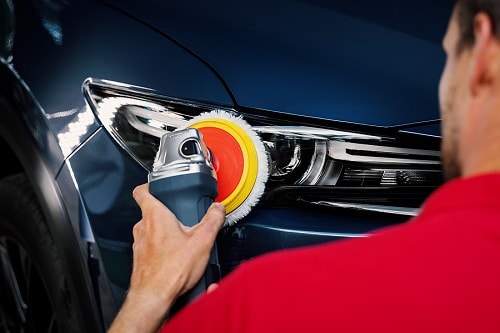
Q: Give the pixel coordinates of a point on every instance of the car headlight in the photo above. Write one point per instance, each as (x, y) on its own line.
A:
(313, 162)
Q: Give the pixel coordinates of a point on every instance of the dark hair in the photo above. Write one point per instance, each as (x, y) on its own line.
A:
(467, 11)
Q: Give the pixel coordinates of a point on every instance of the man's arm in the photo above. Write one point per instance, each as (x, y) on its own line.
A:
(169, 258)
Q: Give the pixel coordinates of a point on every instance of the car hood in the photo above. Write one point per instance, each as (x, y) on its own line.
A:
(357, 61)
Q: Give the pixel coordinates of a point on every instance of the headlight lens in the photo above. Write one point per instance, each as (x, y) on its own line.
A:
(313, 164)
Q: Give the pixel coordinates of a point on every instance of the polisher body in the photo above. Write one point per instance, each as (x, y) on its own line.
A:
(184, 181)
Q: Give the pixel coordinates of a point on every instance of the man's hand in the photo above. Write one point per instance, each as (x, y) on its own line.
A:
(169, 259)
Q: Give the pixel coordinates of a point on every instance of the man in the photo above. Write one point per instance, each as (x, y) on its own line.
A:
(440, 272)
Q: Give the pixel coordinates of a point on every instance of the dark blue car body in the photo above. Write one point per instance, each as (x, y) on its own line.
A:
(363, 66)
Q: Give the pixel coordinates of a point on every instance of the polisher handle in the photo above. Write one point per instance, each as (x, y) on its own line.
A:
(189, 196)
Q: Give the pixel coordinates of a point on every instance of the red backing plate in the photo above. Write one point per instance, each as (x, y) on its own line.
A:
(228, 153)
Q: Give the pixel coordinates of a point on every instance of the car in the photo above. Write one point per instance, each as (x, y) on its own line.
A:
(342, 93)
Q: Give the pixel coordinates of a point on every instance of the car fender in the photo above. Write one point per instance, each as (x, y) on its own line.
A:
(25, 131)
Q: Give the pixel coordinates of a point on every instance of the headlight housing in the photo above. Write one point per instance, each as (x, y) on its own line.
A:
(313, 162)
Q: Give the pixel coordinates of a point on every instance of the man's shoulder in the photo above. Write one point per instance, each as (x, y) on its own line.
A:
(422, 239)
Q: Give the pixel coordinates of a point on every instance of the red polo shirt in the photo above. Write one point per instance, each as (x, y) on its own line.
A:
(439, 272)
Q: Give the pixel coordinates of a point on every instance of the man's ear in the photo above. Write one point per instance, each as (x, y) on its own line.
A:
(484, 59)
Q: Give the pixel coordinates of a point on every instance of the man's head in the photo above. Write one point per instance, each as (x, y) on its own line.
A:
(466, 13)
(470, 90)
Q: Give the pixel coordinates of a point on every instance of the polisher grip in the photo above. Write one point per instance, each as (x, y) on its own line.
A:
(189, 196)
